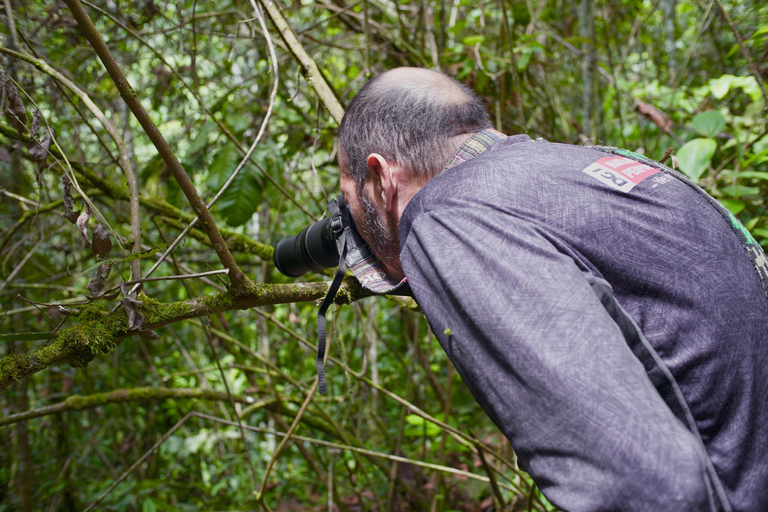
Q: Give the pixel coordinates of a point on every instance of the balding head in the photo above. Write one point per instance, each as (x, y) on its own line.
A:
(411, 117)
(422, 84)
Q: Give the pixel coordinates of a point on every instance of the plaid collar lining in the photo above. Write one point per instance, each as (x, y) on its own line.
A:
(360, 258)
(476, 144)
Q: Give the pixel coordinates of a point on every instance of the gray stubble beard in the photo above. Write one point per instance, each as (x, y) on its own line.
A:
(382, 236)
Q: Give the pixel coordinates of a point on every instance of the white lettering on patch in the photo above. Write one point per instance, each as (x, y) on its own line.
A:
(619, 172)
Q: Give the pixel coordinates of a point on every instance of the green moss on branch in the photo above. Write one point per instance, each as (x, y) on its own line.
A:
(99, 331)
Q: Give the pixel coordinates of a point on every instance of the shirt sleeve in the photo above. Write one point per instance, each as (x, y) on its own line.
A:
(537, 349)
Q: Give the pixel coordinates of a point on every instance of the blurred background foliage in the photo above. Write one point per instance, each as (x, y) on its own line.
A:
(660, 77)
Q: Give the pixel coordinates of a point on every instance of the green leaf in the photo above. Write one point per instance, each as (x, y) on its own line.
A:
(148, 506)
(709, 123)
(201, 140)
(238, 122)
(734, 206)
(761, 232)
(755, 175)
(695, 156)
(740, 190)
(720, 86)
(224, 162)
(762, 30)
(761, 145)
(473, 40)
(242, 198)
(413, 419)
(26, 336)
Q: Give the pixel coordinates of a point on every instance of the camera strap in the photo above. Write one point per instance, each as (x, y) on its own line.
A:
(327, 301)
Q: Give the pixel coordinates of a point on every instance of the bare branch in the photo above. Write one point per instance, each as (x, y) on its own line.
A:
(743, 48)
(123, 161)
(312, 73)
(236, 276)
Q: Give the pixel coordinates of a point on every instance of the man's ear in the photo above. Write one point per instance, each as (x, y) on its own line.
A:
(385, 180)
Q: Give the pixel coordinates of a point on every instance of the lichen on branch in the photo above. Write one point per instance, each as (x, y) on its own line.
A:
(99, 331)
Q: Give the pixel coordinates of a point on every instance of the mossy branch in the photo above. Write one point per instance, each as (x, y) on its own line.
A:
(78, 402)
(282, 405)
(98, 330)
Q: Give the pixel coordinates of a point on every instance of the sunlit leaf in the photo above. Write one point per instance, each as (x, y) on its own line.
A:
(740, 190)
(709, 123)
(734, 206)
(242, 198)
(695, 157)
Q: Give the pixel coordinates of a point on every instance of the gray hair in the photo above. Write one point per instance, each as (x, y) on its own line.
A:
(408, 116)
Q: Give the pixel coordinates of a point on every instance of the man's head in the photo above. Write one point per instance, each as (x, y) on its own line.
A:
(398, 133)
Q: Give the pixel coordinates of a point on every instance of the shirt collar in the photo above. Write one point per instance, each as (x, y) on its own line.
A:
(475, 145)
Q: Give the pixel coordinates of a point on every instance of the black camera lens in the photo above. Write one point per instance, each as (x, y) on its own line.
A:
(312, 249)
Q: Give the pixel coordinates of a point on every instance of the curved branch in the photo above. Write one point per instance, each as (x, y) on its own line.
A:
(100, 331)
(78, 402)
(239, 281)
(123, 161)
(311, 72)
(169, 213)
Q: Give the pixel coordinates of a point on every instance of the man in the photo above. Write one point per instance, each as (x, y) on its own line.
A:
(609, 318)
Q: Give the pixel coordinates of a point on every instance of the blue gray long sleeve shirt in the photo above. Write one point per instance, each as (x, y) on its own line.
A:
(616, 333)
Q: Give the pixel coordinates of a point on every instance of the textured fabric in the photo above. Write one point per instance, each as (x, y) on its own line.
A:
(364, 265)
(536, 263)
(475, 145)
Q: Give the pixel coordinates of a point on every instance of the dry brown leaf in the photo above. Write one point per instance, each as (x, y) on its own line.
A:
(82, 223)
(100, 243)
(654, 114)
(15, 105)
(98, 284)
(38, 151)
(69, 202)
(130, 304)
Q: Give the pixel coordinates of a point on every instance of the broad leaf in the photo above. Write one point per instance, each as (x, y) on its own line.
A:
(709, 123)
(734, 206)
(755, 175)
(740, 190)
(201, 140)
(695, 156)
(242, 198)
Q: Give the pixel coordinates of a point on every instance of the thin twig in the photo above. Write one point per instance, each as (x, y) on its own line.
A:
(202, 106)
(123, 160)
(237, 278)
(260, 492)
(246, 158)
(743, 49)
(313, 74)
(173, 278)
(212, 347)
(362, 451)
(21, 264)
(138, 462)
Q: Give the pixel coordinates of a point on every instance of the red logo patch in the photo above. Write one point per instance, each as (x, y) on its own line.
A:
(619, 172)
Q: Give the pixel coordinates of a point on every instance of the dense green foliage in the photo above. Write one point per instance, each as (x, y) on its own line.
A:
(646, 75)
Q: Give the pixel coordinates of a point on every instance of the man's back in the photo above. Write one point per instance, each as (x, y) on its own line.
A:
(520, 236)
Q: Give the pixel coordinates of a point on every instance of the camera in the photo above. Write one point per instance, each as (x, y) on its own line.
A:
(314, 248)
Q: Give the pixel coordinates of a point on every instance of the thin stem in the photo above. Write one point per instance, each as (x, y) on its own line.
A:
(743, 49)
(238, 279)
(260, 493)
